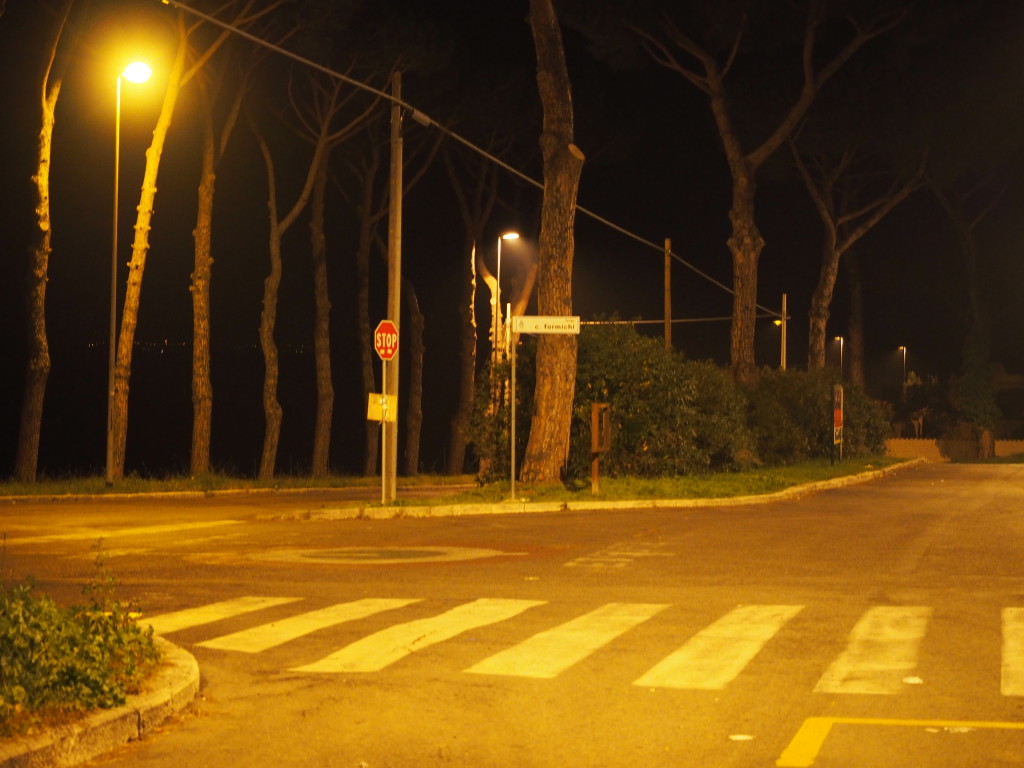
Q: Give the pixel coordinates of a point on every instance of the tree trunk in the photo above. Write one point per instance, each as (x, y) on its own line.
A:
(37, 369)
(475, 203)
(855, 326)
(821, 300)
(140, 248)
(202, 385)
(366, 355)
(986, 445)
(272, 411)
(746, 244)
(457, 439)
(414, 406)
(548, 445)
(321, 329)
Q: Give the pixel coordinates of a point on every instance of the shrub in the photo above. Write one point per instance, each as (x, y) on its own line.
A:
(55, 660)
(791, 417)
(669, 416)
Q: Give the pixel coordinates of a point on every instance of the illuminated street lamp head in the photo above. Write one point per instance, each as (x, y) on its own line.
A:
(137, 72)
(510, 236)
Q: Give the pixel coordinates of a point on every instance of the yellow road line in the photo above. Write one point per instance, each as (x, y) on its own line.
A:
(804, 747)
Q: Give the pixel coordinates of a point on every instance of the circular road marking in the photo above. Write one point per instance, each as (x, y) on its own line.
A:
(381, 555)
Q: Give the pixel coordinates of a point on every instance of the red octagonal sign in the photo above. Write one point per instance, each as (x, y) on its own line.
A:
(385, 339)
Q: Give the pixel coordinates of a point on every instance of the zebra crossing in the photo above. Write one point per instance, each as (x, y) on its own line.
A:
(880, 654)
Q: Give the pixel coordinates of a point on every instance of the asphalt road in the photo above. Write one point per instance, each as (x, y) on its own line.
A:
(876, 625)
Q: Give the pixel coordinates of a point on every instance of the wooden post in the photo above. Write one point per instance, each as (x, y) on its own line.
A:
(390, 428)
(782, 326)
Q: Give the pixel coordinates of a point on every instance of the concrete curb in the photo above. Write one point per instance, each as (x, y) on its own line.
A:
(171, 690)
(520, 507)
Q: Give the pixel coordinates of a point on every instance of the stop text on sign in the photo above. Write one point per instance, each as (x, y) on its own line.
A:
(385, 339)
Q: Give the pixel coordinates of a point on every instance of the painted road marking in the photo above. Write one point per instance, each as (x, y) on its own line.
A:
(549, 653)
(382, 555)
(807, 743)
(716, 655)
(1012, 683)
(193, 617)
(377, 651)
(100, 533)
(882, 650)
(277, 633)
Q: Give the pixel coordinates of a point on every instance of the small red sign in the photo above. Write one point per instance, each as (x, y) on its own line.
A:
(385, 340)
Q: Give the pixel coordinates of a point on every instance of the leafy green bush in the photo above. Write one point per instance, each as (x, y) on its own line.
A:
(673, 417)
(669, 416)
(55, 660)
(791, 417)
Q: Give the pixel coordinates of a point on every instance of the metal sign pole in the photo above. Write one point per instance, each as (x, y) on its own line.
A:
(383, 432)
(512, 424)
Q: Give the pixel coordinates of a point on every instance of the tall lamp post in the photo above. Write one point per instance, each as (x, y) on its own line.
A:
(136, 72)
(840, 340)
(904, 351)
(497, 296)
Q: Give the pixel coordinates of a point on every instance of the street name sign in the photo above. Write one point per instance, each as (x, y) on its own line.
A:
(546, 324)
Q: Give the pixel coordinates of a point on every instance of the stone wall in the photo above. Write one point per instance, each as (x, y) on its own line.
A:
(946, 450)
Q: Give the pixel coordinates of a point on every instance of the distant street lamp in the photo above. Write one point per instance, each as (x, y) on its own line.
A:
(136, 72)
(904, 351)
(497, 296)
(781, 322)
(840, 340)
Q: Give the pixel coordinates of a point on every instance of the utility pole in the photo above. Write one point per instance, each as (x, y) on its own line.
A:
(389, 482)
(668, 293)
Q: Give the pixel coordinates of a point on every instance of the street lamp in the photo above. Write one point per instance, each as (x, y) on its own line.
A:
(840, 340)
(904, 351)
(497, 295)
(136, 72)
(781, 322)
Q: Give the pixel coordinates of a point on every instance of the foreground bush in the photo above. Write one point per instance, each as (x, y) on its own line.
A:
(57, 660)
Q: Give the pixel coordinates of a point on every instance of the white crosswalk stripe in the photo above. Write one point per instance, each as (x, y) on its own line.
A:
(384, 648)
(553, 651)
(1012, 683)
(205, 614)
(881, 652)
(279, 632)
(713, 657)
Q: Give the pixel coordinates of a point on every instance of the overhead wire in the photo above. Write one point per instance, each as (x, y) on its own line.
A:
(425, 120)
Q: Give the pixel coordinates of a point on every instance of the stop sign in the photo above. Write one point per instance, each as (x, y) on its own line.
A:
(385, 339)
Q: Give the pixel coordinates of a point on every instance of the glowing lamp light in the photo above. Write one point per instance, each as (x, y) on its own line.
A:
(137, 72)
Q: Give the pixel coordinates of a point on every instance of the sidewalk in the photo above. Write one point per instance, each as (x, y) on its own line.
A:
(519, 507)
(173, 689)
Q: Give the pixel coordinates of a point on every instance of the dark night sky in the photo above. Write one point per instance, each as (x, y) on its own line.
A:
(654, 167)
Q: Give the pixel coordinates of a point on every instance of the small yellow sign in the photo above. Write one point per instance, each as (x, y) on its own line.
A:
(375, 407)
